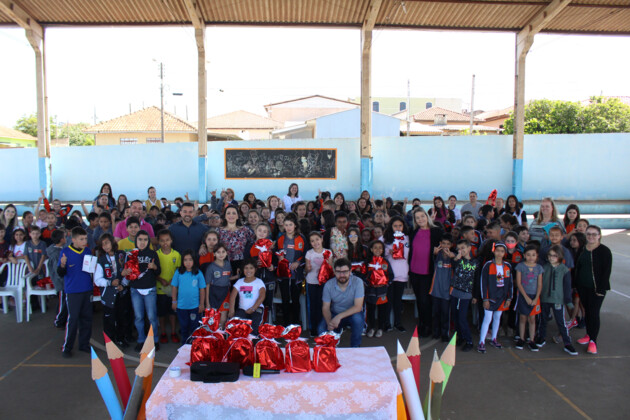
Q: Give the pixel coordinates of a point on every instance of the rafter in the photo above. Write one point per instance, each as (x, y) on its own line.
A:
(21, 17)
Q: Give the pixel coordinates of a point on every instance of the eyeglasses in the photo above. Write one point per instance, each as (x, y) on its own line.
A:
(342, 271)
(353, 236)
(552, 255)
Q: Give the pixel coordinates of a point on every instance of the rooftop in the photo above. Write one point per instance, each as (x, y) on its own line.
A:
(241, 120)
(10, 133)
(145, 120)
(430, 113)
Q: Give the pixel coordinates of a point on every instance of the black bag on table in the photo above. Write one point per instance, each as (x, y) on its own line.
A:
(214, 372)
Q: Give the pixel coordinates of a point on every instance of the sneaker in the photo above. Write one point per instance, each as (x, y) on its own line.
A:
(379, 333)
(163, 339)
(519, 344)
(370, 333)
(533, 346)
(138, 347)
(481, 348)
(174, 338)
(66, 354)
(400, 328)
(572, 324)
(494, 343)
(540, 342)
(584, 340)
(592, 347)
(570, 349)
(467, 347)
(517, 338)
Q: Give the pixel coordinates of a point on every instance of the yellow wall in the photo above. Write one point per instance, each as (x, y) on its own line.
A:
(106, 139)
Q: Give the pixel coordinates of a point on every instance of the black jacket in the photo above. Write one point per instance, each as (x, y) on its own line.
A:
(147, 278)
(601, 260)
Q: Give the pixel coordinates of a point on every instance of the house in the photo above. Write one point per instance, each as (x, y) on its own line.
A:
(339, 125)
(15, 138)
(241, 125)
(143, 126)
(441, 116)
(496, 118)
(296, 111)
(393, 105)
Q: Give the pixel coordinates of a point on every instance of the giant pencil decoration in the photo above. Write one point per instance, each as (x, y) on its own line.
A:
(117, 363)
(433, 402)
(135, 399)
(413, 353)
(148, 347)
(448, 360)
(105, 387)
(408, 382)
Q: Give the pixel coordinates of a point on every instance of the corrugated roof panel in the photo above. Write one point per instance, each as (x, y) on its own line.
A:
(598, 20)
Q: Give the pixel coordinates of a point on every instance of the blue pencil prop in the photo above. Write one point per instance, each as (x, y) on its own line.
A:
(105, 387)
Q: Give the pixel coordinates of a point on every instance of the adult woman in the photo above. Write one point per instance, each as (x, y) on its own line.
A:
(422, 241)
(152, 199)
(227, 199)
(106, 189)
(571, 217)
(593, 280)
(10, 221)
(122, 203)
(234, 236)
(340, 202)
(513, 207)
(292, 197)
(440, 213)
(547, 217)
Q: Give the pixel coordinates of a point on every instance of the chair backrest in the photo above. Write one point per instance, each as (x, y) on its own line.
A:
(15, 274)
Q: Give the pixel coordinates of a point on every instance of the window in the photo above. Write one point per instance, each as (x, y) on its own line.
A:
(375, 106)
(154, 140)
(403, 106)
(429, 105)
(125, 140)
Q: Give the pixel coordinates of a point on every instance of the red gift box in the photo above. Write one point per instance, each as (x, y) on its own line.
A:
(264, 252)
(325, 353)
(297, 354)
(377, 275)
(268, 352)
(326, 270)
(398, 247)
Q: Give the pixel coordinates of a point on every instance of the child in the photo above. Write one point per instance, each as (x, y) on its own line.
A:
(53, 252)
(210, 239)
(513, 256)
(79, 290)
(133, 227)
(377, 296)
(18, 246)
(396, 241)
(107, 277)
(143, 289)
(529, 283)
(188, 294)
(218, 277)
(104, 225)
(462, 284)
(523, 238)
(263, 243)
(41, 219)
(170, 261)
(314, 260)
(440, 285)
(251, 293)
(35, 254)
(469, 234)
(27, 221)
(556, 291)
(496, 292)
(291, 243)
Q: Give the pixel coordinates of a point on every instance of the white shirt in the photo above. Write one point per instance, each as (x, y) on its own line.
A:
(248, 292)
(289, 201)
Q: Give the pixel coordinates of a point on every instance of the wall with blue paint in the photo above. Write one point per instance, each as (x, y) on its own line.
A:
(347, 124)
(19, 174)
(348, 169)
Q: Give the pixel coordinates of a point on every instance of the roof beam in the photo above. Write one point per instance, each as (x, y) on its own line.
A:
(542, 18)
(194, 12)
(21, 17)
(371, 14)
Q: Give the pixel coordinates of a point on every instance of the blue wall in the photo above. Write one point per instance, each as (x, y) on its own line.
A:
(19, 174)
(347, 124)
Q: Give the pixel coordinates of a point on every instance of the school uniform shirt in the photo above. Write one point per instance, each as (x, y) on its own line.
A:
(168, 263)
(75, 279)
(294, 249)
(441, 284)
(529, 277)
(126, 245)
(496, 283)
(188, 286)
(218, 276)
(248, 292)
(35, 253)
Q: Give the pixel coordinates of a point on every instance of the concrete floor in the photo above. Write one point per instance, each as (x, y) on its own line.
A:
(36, 382)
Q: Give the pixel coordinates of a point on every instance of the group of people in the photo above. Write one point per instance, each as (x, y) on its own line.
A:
(352, 259)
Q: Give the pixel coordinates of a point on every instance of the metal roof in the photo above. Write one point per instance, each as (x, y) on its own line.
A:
(580, 16)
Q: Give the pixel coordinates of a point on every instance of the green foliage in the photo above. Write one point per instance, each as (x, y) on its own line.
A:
(562, 117)
(28, 124)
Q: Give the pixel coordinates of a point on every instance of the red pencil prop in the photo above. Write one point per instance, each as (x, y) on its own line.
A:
(117, 363)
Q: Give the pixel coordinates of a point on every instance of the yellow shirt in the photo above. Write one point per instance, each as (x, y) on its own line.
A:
(126, 245)
(168, 264)
(148, 204)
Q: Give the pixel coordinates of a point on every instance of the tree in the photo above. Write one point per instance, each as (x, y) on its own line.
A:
(562, 117)
(28, 124)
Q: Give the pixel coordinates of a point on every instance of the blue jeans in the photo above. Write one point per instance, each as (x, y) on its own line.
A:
(141, 304)
(188, 322)
(355, 322)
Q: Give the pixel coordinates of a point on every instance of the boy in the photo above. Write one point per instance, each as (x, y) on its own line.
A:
(133, 227)
(468, 233)
(104, 225)
(35, 254)
(523, 238)
(462, 286)
(170, 260)
(51, 225)
(555, 238)
(27, 221)
(440, 287)
(79, 289)
(53, 252)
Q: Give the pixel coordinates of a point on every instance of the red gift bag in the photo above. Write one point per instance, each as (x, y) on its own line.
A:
(325, 271)
(325, 353)
(240, 348)
(132, 264)
(297, 354)
(377, 272)
(267, 351)
(283, 270)
(398, 247)
(264, 252)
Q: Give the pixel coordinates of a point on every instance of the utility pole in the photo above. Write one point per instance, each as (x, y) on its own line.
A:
(162, 99)
(408, 105)
(472, 105)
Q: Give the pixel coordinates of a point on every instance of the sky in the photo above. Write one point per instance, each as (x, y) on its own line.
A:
(95, 74)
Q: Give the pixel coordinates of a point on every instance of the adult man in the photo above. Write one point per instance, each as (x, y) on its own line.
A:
(342, 302)
(187, 233)
(136, 210)
(473, 206)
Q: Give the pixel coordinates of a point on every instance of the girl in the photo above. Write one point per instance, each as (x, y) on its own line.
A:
(496, 292)
(292, 197)
(107, 276)
(10, 221)
(340, 202)
(188, 294)
(107, 190)
(218, 276)
(357, 252)
(452, 206)
(243, 210)
(272, 202)
(122, 203)
(152, 199)
(291, 245)
(250, 199)
(253, 219)
(529, 284)
(210, 239)
(377, 296)
(234, 236)
(352, 206)
(362, 207)
(577, 241)
(581, 226)
(367, 235)
(439, 213)
(263, 243)
(396, 241)
(327, 220)
(251, 293)
(514, 208)
(507, 223)
(314, 260)
(143, 289)
(278, 226)
(265, 214)
(547, 217)
(18, 244)
(571, 217)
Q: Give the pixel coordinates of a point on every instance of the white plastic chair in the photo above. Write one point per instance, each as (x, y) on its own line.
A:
(14, 287)
(36, 291)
